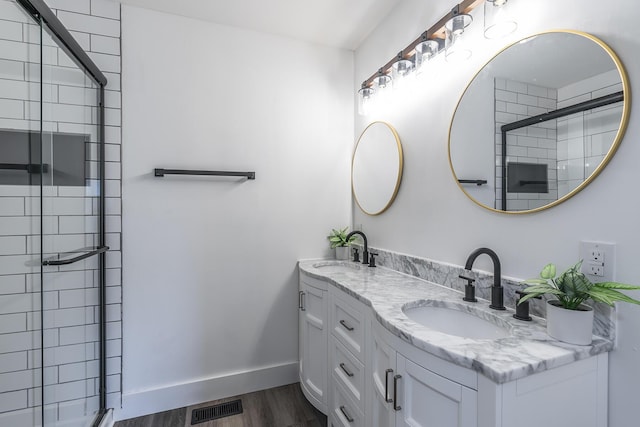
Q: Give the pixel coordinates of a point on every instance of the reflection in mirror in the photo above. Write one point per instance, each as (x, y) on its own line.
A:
(377, 168)
(539, 122)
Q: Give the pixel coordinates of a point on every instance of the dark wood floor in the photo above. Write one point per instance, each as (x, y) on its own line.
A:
(283, 406)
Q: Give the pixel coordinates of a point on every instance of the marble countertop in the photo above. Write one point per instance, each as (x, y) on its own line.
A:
(527, 350)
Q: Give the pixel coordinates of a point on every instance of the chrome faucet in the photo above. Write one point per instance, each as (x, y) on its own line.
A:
(365, 250)
(497, 292)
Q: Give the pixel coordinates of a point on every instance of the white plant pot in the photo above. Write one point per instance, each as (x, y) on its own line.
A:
(342, 252)
(570, 326)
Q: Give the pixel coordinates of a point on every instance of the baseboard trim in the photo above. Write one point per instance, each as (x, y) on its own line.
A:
(150, 401)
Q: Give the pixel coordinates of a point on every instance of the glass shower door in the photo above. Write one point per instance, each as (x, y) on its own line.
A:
(70, 242)
(20, 225)
(51, 228)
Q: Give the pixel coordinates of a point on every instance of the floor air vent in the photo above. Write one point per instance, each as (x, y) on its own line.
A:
(214, 412)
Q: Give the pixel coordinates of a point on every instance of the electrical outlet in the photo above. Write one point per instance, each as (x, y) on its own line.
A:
(596, 254)
(598, 260)
(595, 270)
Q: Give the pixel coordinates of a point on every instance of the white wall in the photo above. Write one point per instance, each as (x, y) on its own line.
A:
(432, 218)
(210, 278)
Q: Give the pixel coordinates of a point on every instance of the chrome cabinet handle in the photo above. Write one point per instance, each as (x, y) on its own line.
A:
(301, 301)
(396, 407)
(346, 371)
(386, 385)
(346, 414)
(347, 327)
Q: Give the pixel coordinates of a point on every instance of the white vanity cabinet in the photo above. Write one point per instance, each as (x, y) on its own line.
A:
(361, 375)
(429, 391)
(312, 340)
(404, 393)
(348, 319)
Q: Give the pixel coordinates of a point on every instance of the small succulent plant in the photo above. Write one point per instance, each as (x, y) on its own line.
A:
(572, 288)
(339, 238)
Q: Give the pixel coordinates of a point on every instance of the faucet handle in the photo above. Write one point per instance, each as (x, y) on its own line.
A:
(523, 293)
(372, 259)
(468, 279)
(469, 289)
(522, 310)
(356, 255)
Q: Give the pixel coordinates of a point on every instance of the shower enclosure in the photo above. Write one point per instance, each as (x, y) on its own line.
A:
(52, 251)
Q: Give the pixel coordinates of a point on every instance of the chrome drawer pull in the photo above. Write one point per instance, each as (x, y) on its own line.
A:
(386, 385)
(347, 327)
(396, 407)
(346, 371)
(346, 414)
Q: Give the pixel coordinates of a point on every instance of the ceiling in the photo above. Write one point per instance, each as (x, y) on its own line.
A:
(337, 23)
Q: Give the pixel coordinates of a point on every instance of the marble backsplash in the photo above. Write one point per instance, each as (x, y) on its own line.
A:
(447, 275)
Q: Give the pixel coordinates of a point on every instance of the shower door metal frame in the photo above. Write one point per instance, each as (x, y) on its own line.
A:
(545, 117)
(43, 14)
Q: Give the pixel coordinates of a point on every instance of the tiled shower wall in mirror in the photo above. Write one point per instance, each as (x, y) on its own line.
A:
(95, 24)
(571, 146)
(534, 144)
(585, 138)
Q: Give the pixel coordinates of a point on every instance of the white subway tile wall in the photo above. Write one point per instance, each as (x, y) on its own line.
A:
(70, 298)
(584, 139)
(572, 146)
(534, 144)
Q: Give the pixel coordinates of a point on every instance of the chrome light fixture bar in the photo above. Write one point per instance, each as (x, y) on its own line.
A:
(443, 35)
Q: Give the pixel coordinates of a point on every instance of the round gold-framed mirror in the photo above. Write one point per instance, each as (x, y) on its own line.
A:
(376, 168)
(539, 122)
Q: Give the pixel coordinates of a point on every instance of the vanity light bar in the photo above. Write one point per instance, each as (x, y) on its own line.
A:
(436, 32)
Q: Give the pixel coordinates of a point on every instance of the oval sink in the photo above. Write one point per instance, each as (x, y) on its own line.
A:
(458, 320)
(337, 266)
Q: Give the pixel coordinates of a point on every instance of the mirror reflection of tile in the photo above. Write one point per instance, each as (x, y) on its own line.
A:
(566, 150)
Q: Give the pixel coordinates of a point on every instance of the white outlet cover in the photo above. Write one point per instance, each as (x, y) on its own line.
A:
(608, 264)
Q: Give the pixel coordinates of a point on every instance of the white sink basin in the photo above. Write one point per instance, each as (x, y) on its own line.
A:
(337, 266)
(459, 320)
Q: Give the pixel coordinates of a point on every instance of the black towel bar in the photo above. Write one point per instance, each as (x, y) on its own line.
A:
(473, 181)
(162, 172)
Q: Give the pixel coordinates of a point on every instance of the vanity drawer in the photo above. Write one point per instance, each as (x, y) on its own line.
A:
(347, 324)
(344, 412)
(348, 371)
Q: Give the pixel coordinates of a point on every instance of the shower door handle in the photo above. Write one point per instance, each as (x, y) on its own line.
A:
(84, 254)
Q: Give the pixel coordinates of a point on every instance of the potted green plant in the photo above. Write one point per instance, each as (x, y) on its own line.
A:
(568, 319)
(340, 242)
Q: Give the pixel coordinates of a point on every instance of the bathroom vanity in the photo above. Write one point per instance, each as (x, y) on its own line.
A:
(366, 360)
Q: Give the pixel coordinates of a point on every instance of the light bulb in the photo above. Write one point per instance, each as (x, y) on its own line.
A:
(381, 81)
(497, 21)
(425, 51)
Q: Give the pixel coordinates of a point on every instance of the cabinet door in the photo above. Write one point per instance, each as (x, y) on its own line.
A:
(430, 400)
(313, 345)
(382, 369)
